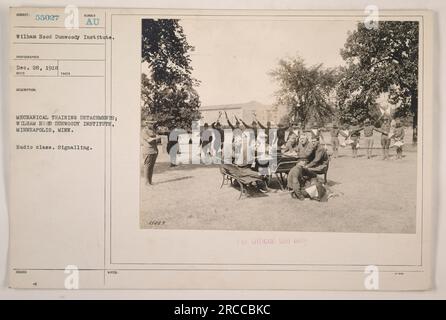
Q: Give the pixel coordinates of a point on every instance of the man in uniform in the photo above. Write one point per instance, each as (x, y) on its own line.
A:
(150, 149)
(293, 138)
(237, 140)
(316, 132)
(334, 134)
(206, 143)
(314, 161)
(218, 143)
(368, 134)
(354, 135)
(267, 128)
(252, 127)
(251, 132)
(385, 138)
(304, 153)
(398, 135)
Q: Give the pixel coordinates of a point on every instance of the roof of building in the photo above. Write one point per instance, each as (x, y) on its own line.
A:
(248, 105)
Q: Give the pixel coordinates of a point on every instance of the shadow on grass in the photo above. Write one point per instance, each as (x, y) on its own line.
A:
(166, 166)
(275, 185)
(250, 191)
(332, 183)
(174, 180)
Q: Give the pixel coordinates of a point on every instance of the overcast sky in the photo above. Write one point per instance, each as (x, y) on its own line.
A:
(232, 58)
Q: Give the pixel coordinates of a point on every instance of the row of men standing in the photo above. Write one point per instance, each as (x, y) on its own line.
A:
(285, 142)
(350, 133)
(389, 131)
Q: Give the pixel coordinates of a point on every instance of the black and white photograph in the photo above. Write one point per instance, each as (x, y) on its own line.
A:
(259, 124)
(259, 149)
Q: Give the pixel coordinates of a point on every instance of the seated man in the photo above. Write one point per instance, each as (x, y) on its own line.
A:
(304, 152)
(292, 140)
(313, 163)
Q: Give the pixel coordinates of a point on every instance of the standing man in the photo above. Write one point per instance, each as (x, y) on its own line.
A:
(237, 140)
(354, 135)
(232, 126)
(172, 147)
(368, 134)
(398, 135)
(385, 138)
(251, 133)
(271, 136)
(345, 132)
(150, 149)
(218, 143)
(206, 142)
(267, 128)
(316, 132)
(334, 134)
(252, 127)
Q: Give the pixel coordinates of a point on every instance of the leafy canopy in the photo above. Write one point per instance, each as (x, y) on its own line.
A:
(168, 90)
(380, 60)
(305, 90)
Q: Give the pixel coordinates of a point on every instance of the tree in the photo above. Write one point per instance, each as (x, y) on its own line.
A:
(305, 90)
(383, 60)
(354, 101)
(168, 90)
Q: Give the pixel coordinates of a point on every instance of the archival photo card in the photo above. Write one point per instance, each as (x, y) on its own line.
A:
(220, 149)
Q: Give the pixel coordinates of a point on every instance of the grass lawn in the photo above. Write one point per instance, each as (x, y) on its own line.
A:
(374, 196)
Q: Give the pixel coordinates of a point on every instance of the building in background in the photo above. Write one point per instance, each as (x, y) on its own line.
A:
(245, 111)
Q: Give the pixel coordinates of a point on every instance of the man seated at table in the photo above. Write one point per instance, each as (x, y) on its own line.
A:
(300, 149)
(313, 160)
(293, 139)
(303, 152)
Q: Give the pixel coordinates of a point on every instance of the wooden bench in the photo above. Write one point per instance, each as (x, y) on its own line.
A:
(242, 176)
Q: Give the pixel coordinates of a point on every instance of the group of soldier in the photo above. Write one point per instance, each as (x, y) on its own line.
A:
(390, 130)
(287, 136)
(307, 145)
(255, 134)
